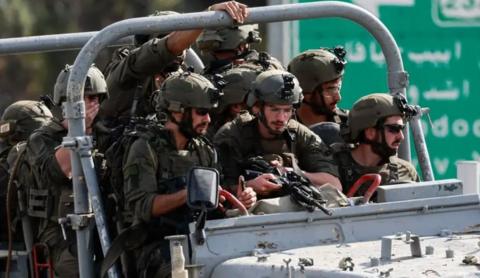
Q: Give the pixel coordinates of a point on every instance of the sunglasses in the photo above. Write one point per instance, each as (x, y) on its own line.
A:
(393, 128)
(202, 111)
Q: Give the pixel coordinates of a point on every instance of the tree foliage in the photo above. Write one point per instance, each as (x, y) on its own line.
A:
(27, 76)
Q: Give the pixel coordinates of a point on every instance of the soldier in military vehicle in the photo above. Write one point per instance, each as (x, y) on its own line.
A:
(52, 171)
(132, 79)
(158, 161)
(276, 93)
(375, 127)
(320, 73)
(237, 85)
(226, 47)
(18, 121)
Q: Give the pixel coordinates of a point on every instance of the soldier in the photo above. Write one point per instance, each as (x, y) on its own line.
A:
(231, 46)
(375, 127)
(277, 94)
(320, 73)
(157, 164)
(132, 79)
(237, 84)
(51, 168)
(18, 121)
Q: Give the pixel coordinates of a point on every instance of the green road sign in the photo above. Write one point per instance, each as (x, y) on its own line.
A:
(439, 43)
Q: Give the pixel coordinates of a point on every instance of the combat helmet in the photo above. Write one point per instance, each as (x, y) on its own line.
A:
(369, 110)
(21, 118)
(238, 81)
(228, 38)
(95, 84)
(275, 87)
(317, 66)
(186, 90)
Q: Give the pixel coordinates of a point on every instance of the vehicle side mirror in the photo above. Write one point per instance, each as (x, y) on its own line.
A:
(202, 188)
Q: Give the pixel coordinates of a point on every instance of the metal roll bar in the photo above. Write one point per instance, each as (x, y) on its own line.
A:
(72, 41)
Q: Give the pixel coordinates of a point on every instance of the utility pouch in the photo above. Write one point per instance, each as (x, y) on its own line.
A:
(39, 203)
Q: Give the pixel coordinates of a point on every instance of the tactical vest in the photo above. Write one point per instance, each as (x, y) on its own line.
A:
(21, 180)
(172, 167)
(46, 203)
(252, 147)
(3, 191)
(350, 172)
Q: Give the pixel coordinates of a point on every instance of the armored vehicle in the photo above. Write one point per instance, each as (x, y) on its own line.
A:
(425, 229)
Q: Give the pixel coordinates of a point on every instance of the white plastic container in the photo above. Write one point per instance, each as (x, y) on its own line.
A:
(469, 173)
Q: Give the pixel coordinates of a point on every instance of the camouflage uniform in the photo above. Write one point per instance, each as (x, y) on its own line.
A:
(18, 121)
(155, 166)
(229, 39)
(53, 187)
(240, 140)
(396, 170)
(370, 111)
(136, 68)
(49, 176)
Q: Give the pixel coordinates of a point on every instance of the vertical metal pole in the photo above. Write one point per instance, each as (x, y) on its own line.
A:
(282, 42)
(95, 197)
(85, 258)
(421, 147)
(80, 146)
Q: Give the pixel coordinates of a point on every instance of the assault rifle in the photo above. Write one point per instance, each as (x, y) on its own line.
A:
(300, 189)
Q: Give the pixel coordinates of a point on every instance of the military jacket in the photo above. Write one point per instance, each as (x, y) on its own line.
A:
(395, 171)
(154, 166)
(40, 153)
(136, 68)
(239, 140)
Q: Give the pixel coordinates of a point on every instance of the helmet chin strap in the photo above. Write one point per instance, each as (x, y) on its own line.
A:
(263, 120)
(382, 149)
(185, 126)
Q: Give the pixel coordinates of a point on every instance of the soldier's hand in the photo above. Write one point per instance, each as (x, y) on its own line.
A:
(247, 197)
(236, 10)
(264, 184)
(90, 114)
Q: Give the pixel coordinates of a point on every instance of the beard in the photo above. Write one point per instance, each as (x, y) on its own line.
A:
(382, 149)
(186, 127)
(201, 128)
(319, 107)
(277, 128)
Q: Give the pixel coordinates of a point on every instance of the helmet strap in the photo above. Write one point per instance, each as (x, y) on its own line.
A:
(319, 108)
(261, 117)
(185, 125)
(381, 148)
